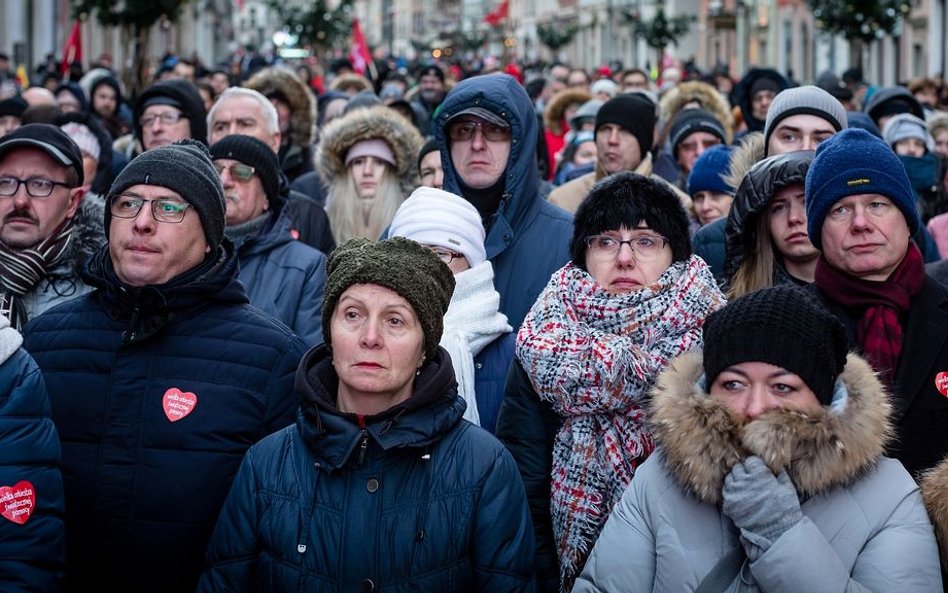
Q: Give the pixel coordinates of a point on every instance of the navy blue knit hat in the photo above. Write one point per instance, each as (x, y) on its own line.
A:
(709, 171)
(855, 162)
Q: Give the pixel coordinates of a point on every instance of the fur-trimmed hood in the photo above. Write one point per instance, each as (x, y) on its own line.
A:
(742, 93)
(553, 112)
(283, 82)
(706, 95)
(744, 157)
(339, 135)
(820, 451)
(934, 485)
(89, 230)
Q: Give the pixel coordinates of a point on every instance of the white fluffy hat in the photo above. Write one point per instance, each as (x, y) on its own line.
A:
(435, 217)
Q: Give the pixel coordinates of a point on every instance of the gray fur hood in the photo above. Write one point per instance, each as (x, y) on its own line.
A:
(820, 451)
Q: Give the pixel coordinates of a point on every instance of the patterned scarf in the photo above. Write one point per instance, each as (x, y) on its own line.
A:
(881, 304)
(22, 269)
(594, 356)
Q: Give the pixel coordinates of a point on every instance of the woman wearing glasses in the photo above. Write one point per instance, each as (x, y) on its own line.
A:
(367, 159)
(631, 299)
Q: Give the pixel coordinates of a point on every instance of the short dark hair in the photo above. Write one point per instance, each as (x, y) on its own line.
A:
(625, 199)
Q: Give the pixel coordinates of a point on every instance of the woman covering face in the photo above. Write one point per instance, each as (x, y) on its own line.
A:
(769, 473)
(381, 484)
(632, 298)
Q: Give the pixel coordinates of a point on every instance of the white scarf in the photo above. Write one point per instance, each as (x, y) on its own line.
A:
(10, 339)
(472, 322)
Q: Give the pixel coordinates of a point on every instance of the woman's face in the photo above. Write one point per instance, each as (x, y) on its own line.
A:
(430, 170)
(104, 100)
(638, 261)
(377, 346)
(711, 205)
(749, 389)
(367, 173)
(585, 153)
(941, 142)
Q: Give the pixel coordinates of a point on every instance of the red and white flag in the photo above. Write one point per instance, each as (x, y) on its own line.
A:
(494, 17)
(359, 51)
(73, 50)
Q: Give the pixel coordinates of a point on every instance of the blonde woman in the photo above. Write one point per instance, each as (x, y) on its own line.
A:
(367, 160)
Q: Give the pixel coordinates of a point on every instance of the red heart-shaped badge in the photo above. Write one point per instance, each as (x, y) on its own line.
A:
(17, 502)
(178, 404)
(941, 383)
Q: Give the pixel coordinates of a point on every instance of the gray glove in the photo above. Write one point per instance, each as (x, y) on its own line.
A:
(761, 505)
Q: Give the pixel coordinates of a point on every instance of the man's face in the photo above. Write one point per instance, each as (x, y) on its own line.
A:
(787, 224)
(865, 236)
(927, 96)
(634, 81)
(691, 147)
(431, 88)
(479, 151)
(244, 116)
(145, 251)
(184, 71)
(243, 191)
(162, 125)
(430, 171)
(803, 131)
(26, 220)
(617, 149)
(760, 103)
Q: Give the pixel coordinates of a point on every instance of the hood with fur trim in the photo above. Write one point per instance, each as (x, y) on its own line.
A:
(280, 81)
(339, 135)
(553, 112)
(703, 93)
(820, 451)
(934, 485)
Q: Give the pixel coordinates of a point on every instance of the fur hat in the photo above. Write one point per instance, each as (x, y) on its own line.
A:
(280, 81)
(625, 199)
(906, 125)
(689, 121)
(401, 265)
(632, 112)
(782, 326)
(250, 151)
(184, 167)
(709, 171)
(435, 217)
(809, 100)
(850, 163)
(183, 96)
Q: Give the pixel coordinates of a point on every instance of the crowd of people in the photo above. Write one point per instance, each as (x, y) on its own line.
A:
(572, 330)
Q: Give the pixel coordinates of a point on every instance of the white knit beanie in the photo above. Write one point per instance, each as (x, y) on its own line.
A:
(434, 217)
(906, 125)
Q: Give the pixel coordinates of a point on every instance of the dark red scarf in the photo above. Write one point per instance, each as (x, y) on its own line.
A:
(881, 304)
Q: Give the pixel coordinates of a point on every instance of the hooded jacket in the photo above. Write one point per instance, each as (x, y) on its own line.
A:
(527, 237)
(410, 499)
(742, 93)
(184, 93)
(157, 392)
(864, 527)
(296, 152)
(705, 95)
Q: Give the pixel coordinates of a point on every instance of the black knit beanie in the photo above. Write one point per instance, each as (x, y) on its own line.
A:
(399, 264)
(632, 112)
(689, 121)
(184, 167)
(184, 96)
(782, 326)
(250, 151)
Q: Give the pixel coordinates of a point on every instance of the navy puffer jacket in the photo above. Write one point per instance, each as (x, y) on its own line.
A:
(411, 499)
(157, 393)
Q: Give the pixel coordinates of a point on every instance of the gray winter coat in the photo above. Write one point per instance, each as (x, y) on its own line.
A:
(864, 527)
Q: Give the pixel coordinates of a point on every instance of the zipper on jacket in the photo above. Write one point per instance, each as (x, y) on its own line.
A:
(363, 447)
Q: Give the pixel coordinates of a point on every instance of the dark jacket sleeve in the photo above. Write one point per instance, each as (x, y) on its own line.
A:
(527, 427)
(709, 244)
(32, 543)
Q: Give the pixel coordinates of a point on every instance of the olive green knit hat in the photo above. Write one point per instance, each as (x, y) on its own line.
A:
(400, 264)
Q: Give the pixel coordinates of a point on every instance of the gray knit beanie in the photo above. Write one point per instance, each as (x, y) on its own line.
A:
(811, 100)
(906, 125)
(399, 264)
(184, 167)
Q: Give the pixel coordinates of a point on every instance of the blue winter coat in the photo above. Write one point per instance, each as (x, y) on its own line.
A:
(32, 551)
(490, 378)
(285, 278)
(412, 499)
(157, 393)
(527, 238)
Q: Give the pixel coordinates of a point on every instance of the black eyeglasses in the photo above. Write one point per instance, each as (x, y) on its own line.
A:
(37, 187)
(606, 247)
(238, 171)
(167, 118)
(162, 209)
(464, 130)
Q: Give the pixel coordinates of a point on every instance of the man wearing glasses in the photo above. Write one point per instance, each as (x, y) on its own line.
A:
(159, 379)
(487, 128)
(167, 111)
(44, 235)
(282, 276)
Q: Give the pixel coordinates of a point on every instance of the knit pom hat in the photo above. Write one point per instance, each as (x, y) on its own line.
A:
(782, 326)
(184, 167)
(250, 151)
(906, 125)
(632, 112)
(689, 121)
(435, 217)
(401, 265)
(810, 100)
(709, 171)
(850, 163)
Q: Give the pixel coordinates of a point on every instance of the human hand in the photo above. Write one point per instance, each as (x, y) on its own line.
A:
(760, 504)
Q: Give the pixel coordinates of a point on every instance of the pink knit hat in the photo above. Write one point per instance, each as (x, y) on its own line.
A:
(373, 147)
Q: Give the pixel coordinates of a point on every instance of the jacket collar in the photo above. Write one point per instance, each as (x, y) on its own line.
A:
(820, 451)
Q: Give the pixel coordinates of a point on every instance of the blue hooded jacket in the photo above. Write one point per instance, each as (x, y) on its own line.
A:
(527, 237)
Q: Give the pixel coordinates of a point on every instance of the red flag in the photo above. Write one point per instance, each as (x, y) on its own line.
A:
(359, 52)
(499, 13)
(73, 50)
